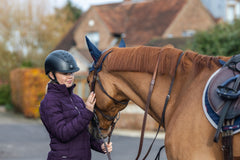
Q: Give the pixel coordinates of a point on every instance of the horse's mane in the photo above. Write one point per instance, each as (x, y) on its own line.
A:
(144, 59)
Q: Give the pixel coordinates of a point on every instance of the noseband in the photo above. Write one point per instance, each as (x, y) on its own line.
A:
(114, 119)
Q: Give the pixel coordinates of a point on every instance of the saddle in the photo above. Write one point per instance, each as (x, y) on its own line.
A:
(223, 97)
(225, 87)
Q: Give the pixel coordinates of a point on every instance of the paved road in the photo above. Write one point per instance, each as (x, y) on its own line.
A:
(27, 139)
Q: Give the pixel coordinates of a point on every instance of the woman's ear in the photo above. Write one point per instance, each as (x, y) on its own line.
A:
(50, 74)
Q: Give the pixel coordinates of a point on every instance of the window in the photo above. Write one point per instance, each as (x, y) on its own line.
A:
(91, 23)
(188, 33)
(230, 13)
(114, 41)
(94, 38)
(170, 35)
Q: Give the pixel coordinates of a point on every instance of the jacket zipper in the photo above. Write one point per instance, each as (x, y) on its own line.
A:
(74, 105)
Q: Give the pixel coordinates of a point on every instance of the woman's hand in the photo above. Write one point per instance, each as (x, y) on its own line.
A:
(91, 101)
(109, 147)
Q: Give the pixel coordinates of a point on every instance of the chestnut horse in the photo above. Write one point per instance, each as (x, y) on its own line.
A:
(126, 73)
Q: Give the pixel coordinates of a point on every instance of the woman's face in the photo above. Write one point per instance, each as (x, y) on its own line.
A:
(64, 78)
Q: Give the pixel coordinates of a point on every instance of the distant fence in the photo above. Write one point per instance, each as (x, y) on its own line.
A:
(82, 88)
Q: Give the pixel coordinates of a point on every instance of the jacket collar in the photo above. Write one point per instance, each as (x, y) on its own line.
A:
(60, 88)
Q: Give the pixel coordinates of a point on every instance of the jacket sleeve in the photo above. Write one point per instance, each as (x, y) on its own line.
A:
(56, 124)
(96, 144)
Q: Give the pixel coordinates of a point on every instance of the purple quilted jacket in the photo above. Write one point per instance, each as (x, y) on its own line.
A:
(66, 119)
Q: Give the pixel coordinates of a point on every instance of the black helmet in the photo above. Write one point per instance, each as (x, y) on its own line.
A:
(60, 61)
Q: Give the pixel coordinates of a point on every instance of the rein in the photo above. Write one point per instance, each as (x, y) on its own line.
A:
(162, 122)
(147, 106)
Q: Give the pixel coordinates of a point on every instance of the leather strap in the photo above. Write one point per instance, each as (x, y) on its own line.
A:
(227, 142)
(147, 106)
(169, 91)
(113, 126)
(96, 68)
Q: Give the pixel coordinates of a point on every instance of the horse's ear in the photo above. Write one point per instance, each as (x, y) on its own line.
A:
(122, 44)
(95, 53)
(221, 62)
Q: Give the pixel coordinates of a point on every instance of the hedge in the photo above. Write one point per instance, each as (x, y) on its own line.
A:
(28, 87)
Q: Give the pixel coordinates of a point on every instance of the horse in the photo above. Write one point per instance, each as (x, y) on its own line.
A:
(124, 74)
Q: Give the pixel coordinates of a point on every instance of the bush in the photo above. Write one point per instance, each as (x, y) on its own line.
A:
(5, 94)
(222, 40)
(28, 86)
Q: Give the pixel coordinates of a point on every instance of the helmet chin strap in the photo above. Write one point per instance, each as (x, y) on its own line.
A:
(55, 78)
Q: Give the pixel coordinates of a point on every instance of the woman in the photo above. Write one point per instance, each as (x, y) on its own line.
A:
(64, 114)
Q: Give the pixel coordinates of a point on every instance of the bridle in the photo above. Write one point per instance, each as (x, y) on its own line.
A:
(113, 119)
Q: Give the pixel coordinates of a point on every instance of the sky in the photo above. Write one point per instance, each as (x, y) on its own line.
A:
(83, 4)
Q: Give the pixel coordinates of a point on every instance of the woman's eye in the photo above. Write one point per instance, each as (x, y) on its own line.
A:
(66, 74)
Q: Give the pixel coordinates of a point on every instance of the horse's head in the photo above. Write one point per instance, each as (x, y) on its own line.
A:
(110, 100)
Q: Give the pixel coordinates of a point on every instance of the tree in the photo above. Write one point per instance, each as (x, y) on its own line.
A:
(8, 61)
(30, 32)
(222, 40)
(69, 12)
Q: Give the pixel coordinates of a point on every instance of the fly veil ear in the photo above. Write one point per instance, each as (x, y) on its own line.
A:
(95, 53)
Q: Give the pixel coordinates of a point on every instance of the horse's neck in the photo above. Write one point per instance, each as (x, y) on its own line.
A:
(135, 85)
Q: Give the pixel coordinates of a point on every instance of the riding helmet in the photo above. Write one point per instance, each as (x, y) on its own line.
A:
(60, 61)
